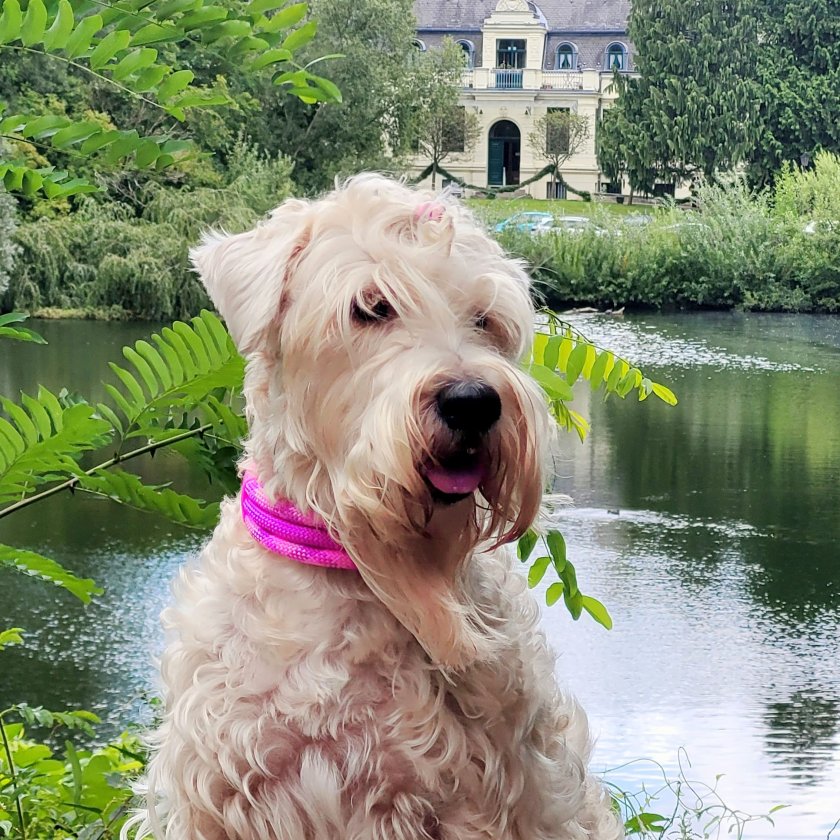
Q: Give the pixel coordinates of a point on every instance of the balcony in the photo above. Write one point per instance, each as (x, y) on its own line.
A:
(562, 80)
(535, 79)
(507, 79)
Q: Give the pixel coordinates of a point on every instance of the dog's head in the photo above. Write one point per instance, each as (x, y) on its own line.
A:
(383, 333)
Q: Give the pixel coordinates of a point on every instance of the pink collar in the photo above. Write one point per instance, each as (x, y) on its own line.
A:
(282, 529)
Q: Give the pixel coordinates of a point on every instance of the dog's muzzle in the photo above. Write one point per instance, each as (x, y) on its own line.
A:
(469, 409)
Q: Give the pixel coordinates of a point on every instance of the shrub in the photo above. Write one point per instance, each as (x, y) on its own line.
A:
(737, 250)
(103, 256)
(8, 248)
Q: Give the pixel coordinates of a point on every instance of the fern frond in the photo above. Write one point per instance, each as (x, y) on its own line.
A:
(42, 440)
(174, 375)
(42, 567)
(127, 488)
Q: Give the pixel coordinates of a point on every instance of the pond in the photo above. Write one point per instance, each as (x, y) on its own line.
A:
(710, 530)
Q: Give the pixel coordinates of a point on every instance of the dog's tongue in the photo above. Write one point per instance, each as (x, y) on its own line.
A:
(456, 480)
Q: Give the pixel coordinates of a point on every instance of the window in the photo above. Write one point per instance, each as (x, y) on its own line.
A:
(566, 57)
(557, 136)
(469, 53)
(510, 54)
(419, 45)
(616, 57)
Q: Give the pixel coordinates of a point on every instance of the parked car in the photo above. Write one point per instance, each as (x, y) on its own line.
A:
(568, 224)
(524, 221)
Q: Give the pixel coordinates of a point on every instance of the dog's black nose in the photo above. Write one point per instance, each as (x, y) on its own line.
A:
(469, 406)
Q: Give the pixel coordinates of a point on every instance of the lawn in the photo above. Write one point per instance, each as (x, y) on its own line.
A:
(496, 209)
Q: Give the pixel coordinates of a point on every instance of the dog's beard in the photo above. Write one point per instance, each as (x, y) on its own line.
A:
(411, 547)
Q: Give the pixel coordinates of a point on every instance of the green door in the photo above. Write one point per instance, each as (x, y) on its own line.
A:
(496, 161)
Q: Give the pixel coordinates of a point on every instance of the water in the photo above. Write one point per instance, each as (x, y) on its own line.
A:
(710, 530)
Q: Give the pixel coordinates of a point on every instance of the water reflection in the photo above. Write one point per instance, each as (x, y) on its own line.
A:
(802, 734)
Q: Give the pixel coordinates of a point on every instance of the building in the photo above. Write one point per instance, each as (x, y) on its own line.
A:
(524, 58)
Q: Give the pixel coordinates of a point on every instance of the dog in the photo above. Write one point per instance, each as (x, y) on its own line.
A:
(397, 686)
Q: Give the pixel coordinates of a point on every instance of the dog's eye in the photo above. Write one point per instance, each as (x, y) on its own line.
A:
(369, 312)
(481, 321)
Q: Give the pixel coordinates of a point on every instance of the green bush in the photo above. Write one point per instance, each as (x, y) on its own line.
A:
(105, 257)
(776, 252)
(8, 249)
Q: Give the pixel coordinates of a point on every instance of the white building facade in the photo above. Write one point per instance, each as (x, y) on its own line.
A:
(524, 58)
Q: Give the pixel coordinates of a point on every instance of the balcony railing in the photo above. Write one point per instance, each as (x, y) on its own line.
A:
(507, 79)
(562, 80)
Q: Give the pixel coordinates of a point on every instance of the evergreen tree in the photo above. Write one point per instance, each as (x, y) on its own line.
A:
(799, 73)
(693, 109)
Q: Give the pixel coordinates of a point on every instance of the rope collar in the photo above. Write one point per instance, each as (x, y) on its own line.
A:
(282, 529)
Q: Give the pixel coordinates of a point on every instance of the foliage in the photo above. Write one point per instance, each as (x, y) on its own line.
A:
(112, 47)
(798, 71)
(734, 251)
(694, 810)
(369, 44)
(440, 126)
(812, 193)
(557, 135)
(622, 151)
(693, 107)
(80, 793)
(8, 249)
(103, 256)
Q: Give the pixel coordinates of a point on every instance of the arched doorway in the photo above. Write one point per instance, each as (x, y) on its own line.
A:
(503, 154)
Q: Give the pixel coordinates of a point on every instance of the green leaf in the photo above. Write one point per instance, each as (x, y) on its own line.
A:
(557, 549)
(526, 544)
(299, 37)
(154, 33)
(174, 84)
(328, 87)
(554, 593)
(42, 126)
(551, 354)
(284, 19)
(135, 60)
(260, 7)
(74, 133)
(202, 17)
(664, 394)
(82, 35)
(114, 42)
(56, 36)
(597, 610)
(34, 23)
(551, 382)
(537, 570)
(270, 57)
(10, 21)
(599, 369)
(41, 567)
(12, 636)
(577, 359)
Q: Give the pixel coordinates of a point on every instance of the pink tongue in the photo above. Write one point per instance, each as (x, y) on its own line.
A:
(456, 481)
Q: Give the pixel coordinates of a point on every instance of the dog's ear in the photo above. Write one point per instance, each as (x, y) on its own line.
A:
(246, 274)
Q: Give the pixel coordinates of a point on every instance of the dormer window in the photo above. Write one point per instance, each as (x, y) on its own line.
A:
(510, 53)
(566, 57)
(419, 45)
(616, 57)
(469, 53)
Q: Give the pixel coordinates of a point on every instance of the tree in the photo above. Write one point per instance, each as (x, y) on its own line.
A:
(799, 76)
(556, 136)
(440, 126)
(693, 109)
(620, 150)
(132, 52)
(370, 58)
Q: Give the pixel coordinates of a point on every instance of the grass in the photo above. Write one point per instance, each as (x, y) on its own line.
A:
(496, 209)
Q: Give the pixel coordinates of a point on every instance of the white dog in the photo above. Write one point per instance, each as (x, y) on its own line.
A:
(406, 694)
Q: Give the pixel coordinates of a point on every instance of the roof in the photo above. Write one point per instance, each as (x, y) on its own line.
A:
(563, 15)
